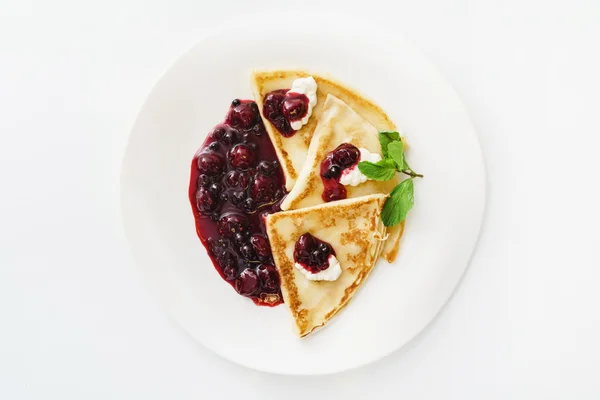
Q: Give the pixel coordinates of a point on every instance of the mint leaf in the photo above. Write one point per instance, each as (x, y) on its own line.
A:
(385, 138)
(396, 153)
(399, 203)
(382, 170)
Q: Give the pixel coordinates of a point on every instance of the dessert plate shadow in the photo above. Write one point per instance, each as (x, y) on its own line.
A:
(399, 299)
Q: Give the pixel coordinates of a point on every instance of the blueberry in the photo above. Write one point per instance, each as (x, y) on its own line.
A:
(218, 132)
(204, 181)
(244, 180)
(232, 223)
(232, 179)
(247, 252)
(215, 188)
(230, 137)
(324, 247)
(318, 257)
(249, 206)
(263, 188)
(265, 168)
(224, 133)
(333, 172)
(242, 156)
(236, 197)
(346, 155)
(261, 245)
(240, 238)
(243, 115)
(206, 201)
(295, 106)
(248, 283)
(211, 163)
(269, 277)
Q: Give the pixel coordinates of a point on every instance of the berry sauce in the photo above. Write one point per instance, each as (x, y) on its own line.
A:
(235, 182)
(312, 253)
(281, 107)
(344, 156)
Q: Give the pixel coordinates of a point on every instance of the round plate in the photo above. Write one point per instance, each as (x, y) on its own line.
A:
(398, 300)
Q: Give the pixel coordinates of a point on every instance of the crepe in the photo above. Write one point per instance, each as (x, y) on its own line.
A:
(338, 124)
(292, 151)
(353, 228)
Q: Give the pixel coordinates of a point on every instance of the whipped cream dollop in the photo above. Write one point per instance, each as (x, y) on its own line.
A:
(330, 274)
(352, 176)
(307, 87)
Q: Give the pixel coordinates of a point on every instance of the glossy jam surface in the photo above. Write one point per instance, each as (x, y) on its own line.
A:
(295, 106)
(235, 182)
(281, 107)
(312, 253)
(344, 156)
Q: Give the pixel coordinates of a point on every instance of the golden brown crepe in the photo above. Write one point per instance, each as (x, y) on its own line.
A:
(353, 228)
(339, 123)
(292, 151)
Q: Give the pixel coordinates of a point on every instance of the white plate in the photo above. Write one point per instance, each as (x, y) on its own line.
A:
(398, 300)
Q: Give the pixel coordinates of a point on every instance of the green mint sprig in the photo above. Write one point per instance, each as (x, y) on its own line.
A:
(402, 198)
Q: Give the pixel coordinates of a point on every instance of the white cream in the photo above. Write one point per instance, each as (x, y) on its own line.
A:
(307, 87)
(352, 176)
(330, 274)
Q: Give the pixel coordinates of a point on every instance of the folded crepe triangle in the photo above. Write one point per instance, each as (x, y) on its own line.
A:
(338, 124)
(353, 228)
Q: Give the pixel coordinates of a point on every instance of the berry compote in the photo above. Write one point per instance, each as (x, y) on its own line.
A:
(281, 107)
(344, 156)
(312, 253)
(236, 181)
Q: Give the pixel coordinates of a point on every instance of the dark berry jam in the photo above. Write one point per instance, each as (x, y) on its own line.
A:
(281, 107)
(235, 182)
(312, 253)
(344, 156)
(295, 106)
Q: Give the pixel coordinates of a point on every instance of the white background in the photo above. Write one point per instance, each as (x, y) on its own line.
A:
(76, 321)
